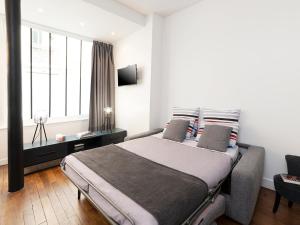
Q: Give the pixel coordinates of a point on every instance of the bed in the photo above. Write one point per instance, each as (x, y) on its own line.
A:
(209, 166)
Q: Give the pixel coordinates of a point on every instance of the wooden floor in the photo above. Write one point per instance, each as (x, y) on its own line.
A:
(50, 198)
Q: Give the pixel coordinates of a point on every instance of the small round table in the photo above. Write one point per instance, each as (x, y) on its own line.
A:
(289, 191)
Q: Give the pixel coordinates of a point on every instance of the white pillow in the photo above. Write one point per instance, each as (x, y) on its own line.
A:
(191, 114)
(229, 118)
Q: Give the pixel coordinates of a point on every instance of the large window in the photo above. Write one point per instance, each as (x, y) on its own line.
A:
(56, 74)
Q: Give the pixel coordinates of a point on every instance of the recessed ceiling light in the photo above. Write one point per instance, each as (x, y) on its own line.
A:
(40, 10)
(113, 33)
(82, 24)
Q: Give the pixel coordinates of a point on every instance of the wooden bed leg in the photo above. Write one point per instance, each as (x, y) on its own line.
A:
(79, 194)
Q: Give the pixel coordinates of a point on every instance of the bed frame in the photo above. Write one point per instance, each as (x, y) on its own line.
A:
(207, 201)
(245, 180)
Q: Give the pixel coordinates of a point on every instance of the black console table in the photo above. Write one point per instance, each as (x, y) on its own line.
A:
(48, 154)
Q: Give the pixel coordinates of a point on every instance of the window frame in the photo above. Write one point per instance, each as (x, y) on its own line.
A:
(65, 118)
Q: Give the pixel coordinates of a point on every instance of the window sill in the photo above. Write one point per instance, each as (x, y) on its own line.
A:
(30, 123)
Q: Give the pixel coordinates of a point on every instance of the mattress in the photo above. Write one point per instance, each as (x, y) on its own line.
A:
(210, 166)
(110, 200)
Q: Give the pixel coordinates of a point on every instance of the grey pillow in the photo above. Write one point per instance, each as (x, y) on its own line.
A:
(215, 137)
(176, 130)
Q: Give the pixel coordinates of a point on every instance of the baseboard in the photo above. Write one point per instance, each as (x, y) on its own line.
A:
(3, 162)
(268, 183)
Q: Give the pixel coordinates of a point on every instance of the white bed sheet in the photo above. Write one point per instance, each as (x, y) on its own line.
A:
(182, 154)
(138, 214)
(106, 207)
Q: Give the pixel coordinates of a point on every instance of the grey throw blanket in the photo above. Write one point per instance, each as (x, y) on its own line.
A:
(169, 195)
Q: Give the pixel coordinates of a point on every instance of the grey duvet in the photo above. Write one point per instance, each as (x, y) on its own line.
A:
(171, 196)
(209, 166)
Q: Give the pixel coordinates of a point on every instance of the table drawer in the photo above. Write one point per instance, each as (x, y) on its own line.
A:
(83, 144)
(112, 140)
(44, 154)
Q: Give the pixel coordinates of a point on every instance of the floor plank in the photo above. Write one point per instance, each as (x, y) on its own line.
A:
(49, 198)
(37, 207)
(47, 178)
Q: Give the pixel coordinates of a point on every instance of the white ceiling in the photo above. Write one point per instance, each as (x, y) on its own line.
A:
(78, 17)
(106, 20)
(161, 7)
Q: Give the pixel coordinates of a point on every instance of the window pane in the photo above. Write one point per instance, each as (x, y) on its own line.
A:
(70, 81)
(86, 69)
(26, 102)
(40, 71)
(58, 75)
(73, 76)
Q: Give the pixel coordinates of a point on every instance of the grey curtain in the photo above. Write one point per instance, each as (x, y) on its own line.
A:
(102, 86)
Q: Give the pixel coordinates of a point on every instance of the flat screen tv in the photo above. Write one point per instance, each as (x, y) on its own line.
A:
(127, 75)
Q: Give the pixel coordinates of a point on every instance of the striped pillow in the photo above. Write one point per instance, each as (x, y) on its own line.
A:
(229, 118)
(191, 114)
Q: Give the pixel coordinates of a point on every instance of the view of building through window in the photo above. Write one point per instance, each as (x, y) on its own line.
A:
(56, 73)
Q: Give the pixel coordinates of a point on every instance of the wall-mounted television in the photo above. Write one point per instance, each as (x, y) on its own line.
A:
(127, 75)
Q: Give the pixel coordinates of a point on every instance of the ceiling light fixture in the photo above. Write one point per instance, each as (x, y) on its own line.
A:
(82, 24)
(40, 10)
(113, 33)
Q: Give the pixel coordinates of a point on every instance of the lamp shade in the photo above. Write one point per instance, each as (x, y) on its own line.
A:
(107, 110)
(40, 117)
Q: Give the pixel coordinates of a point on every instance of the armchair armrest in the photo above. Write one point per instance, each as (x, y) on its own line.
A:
(245, 184)
(144, 134)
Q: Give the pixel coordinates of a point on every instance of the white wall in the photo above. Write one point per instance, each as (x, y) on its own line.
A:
(3, 88)
(3, 72)
(132, 102)
(3, 147)
(239, 54)
(156, 67)
(133, 108)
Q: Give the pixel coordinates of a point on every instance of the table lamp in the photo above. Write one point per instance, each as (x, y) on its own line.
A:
(107, 122)
(40, 118)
